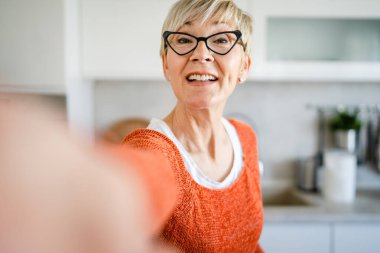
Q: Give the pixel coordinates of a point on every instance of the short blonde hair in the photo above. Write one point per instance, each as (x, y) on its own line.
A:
(185, 11)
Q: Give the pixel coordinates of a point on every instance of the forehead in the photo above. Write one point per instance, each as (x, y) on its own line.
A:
(211, 25)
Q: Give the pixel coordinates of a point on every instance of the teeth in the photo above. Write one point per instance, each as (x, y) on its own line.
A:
(201, 78)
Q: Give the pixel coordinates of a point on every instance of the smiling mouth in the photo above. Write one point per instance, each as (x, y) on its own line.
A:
(201, 78)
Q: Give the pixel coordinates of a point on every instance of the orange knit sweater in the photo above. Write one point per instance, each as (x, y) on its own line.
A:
(209, 220)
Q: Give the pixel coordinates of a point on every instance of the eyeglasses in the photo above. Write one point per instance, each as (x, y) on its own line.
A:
(220, 43)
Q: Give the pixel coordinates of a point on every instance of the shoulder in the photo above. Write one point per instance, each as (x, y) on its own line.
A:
(151, 140)
(249, 144)
(244, 130)
(148, 139)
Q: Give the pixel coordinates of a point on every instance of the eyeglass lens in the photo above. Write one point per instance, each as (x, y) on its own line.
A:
(219, 43)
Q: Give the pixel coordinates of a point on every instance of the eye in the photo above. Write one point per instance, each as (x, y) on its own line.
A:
(183, 40)
(221, 41)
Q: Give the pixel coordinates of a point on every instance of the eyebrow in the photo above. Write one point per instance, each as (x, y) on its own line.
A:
(189, 23)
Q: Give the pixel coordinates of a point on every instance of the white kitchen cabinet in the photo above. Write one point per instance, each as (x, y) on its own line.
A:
(321, 237)
(32, 46)
(121, 39)
(357, 237)
(323, 39)
(274, 28)
(319, 8)
(283, 237)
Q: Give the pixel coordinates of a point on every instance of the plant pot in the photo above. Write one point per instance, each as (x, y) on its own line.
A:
(345, 139)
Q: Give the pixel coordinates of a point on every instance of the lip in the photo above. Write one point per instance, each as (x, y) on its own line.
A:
(201, 83)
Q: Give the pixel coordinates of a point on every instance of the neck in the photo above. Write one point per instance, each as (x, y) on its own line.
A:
(197, 130)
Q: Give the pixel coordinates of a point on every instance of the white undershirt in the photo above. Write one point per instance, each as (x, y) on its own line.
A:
(191, 166)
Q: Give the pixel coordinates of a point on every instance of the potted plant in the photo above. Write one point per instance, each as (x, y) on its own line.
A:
(345, 126)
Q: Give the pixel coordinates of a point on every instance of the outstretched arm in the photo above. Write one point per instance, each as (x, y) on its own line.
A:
(61, 195)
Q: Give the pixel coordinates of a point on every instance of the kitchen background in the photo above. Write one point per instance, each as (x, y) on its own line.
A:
(98, 60)
(101, 57)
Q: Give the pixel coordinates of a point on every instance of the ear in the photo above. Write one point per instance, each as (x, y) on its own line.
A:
(165, 68)
(245, 67)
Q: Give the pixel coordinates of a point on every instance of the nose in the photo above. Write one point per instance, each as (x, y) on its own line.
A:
(201, 53)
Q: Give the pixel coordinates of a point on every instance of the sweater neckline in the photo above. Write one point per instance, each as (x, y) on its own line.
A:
(193, 168)
(187, 175)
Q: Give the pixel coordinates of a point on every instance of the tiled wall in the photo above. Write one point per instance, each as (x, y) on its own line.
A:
(286, 129)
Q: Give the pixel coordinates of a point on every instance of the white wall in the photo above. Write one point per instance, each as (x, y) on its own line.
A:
(287, 130)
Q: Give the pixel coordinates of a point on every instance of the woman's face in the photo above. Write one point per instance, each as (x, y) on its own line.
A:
(203, 79)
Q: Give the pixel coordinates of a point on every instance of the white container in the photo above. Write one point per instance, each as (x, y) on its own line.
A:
(339, 176)
(345, 139)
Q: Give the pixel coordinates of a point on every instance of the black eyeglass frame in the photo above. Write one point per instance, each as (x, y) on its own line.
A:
(166, 34)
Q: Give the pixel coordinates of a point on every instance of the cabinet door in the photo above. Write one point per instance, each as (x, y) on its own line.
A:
(320, 8)
(121, 39)
(31, 45)
(280, 237)
(357, 237)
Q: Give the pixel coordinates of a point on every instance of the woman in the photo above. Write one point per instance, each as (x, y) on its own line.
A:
(205, 54)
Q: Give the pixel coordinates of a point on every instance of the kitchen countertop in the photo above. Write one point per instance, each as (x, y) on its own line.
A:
(313, 207)
(365, 208)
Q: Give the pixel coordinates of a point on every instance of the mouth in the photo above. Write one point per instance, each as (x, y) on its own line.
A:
(201, 78)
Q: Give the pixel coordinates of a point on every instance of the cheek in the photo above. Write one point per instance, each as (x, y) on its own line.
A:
(175, 64)
(231, 64)
(231, 70)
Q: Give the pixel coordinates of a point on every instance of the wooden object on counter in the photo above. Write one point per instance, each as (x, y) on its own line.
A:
(117, 131)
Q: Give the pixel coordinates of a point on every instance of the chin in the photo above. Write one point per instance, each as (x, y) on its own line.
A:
(200, 103)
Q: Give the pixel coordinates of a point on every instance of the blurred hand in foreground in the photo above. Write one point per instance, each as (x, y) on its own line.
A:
(60, 195)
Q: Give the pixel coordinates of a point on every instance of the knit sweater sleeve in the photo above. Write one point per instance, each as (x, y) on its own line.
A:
(155, 161)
